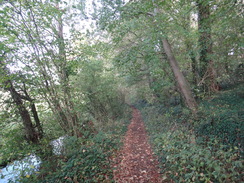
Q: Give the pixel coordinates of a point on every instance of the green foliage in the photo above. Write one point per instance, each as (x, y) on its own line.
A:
(92, 89)
(207, 147)
(12, 146)
(15, 147)
(183, 161)
(84, 160)
(99, 91)
(222, 117)
(85, 164)
(51, 127)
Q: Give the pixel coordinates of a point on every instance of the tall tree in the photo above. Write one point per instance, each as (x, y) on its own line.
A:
(180, 79)
(37, 26)
(31, 134)
(207, 70)
(145, 13)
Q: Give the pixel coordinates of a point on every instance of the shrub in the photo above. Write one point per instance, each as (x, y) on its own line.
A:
(207, 147)
(183, 161)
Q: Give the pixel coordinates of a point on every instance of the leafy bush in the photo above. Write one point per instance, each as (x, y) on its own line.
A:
(100, 93)
(183, 161)
(222, 117)
(88, 164)
(207, 147)
(84, 159)
(13, 146)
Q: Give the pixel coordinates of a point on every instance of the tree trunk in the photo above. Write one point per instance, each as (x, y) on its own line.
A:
(194, 68)
(189, 46)
(194, 64)
(37, 120)
(204, 30)
(33, 111)
(179, 77)
(207, 70)
(30, 132)
(64, 78)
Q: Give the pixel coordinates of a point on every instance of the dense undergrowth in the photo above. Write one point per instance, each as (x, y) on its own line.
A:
(206, 147)
(85, 159)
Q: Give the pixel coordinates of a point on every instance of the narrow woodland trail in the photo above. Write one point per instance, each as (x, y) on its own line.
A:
(136, 162)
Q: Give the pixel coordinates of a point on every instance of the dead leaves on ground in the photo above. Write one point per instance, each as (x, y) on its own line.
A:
(136, 162)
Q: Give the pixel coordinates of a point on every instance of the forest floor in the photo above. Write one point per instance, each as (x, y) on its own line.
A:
(136, 162)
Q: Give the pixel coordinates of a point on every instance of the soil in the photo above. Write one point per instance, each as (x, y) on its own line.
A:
(136, 162)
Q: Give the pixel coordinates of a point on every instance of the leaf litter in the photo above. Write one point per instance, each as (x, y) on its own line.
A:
(136, 162)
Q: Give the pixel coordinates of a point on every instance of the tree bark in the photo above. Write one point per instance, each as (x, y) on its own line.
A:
(33, 111)
(37, 120)
(194, 63)
(204, 30)
(207, 70)
(64, 78)
(194, 68)
(30, 132)
(179, 77)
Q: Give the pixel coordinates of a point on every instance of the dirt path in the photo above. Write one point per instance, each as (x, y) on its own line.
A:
(136, 162)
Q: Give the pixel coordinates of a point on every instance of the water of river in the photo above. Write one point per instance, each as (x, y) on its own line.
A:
(26, 166)
(29, 165)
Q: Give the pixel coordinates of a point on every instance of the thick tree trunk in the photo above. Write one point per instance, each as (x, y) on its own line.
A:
(30, 132)
(33, 111)
(179, 77)
(204, 30)
(207, 70)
